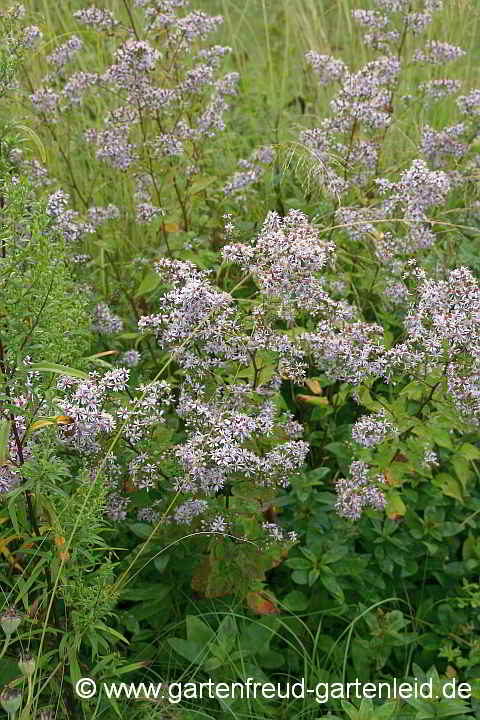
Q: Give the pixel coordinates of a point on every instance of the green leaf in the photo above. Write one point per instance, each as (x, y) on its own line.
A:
(340, 450)
(58, 369)
(349, 709)
(149, 591)
(161, 562)
(395, 505)
(366, 399)
(462, 470)
(334, 554)
(141, 530)
(227, 631)
(198, 631)
(298, 563)
(295, 601)
(300, 577)
(449, 486)
(468, 451)
(149, 283)
(75, 673)
(413, 391)
(385, 711)
(441, 437)
(200, 184)
(8, 670)
(366, 709)
(330, 583)
(189, 650)
(4, 435)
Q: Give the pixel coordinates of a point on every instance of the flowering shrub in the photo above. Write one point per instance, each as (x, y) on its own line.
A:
(235, 407)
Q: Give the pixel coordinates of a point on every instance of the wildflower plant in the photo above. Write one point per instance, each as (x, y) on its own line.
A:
(160, 100)
(196, 411)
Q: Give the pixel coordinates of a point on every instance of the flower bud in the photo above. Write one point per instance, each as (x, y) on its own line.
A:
(26, 664)
(10, 620)
(10, 700)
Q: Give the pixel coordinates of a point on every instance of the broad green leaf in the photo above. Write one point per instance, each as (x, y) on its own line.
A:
(330, 583)
(152, 592)
(149, 283)
(295, 601)
(395, 505)
(141, 530)
(449, 485)
(468, 451)
(161, 562)
(441, 437)
(198, 631)
(189, 650)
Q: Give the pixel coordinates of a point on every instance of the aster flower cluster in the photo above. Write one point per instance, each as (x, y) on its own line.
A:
(230, 433)
(194, 310)
(351, 352)
(66, 221)
(83, 406)
(145, 411)
(344, 149)
(252, 170)
(64, 53)
(437, 144)
(31, 36)
(358, 491)
(417, 190)
(285, 260)
(98, 18)
(220, 451)
(371, 430)
(106, 323)
(140, 86)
